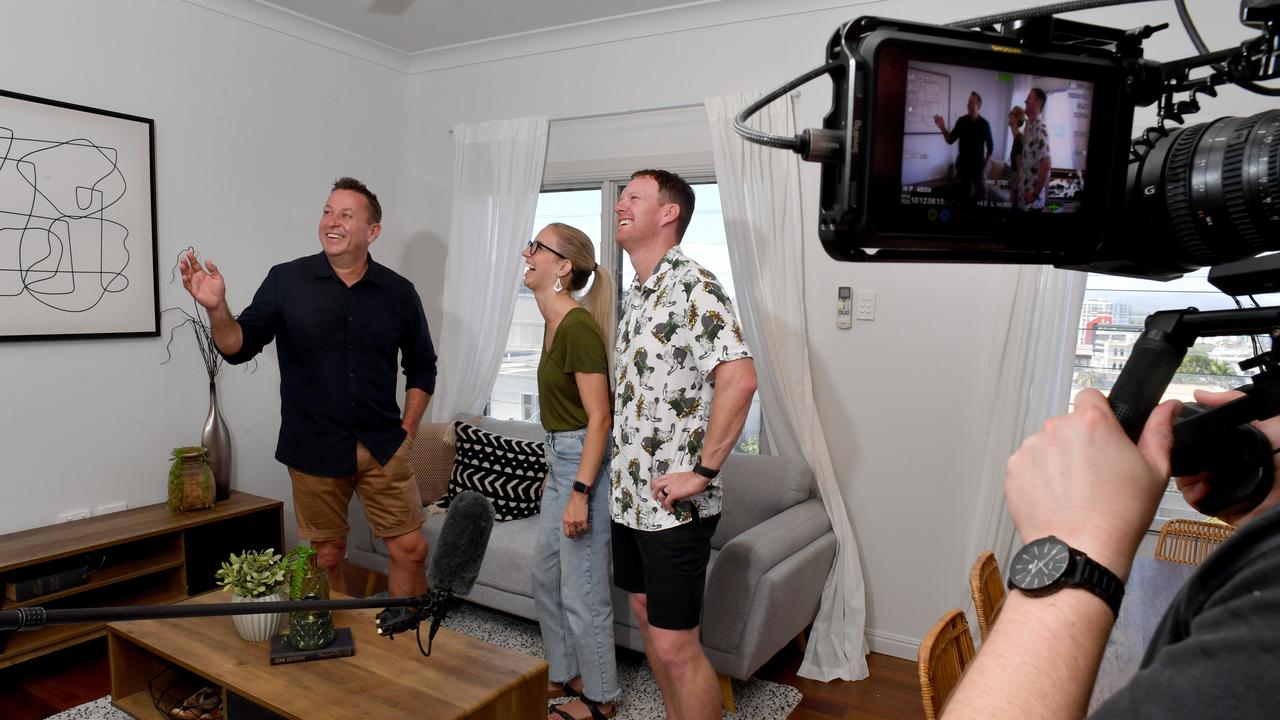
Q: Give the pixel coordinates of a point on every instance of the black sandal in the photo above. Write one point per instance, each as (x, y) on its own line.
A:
(592, 706)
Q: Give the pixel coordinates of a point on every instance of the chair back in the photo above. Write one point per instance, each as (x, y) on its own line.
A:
(987, 588)
(1190, 541)
(944, 654)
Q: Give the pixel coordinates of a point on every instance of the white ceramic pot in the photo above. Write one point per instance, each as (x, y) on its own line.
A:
(259, 627)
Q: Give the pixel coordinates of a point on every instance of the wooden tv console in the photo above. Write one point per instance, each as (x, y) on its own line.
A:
(144, 556)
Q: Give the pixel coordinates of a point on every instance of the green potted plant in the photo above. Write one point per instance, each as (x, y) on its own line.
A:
(254, 576)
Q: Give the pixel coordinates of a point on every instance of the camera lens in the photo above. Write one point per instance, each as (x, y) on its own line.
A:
(1210, 193)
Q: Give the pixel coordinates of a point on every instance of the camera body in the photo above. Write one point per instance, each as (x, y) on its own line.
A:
(1158, 207)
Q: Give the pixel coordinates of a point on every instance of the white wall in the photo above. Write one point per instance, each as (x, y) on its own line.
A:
(251, 127)
(897, 395)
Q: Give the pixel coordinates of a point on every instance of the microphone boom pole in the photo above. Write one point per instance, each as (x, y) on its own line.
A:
(35, 618)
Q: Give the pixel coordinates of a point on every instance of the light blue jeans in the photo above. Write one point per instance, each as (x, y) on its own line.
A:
(571, 576)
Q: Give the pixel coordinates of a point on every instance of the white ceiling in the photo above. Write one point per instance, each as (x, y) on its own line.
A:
(413, 26)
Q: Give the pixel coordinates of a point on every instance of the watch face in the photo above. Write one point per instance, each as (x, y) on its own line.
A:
(1039, 564)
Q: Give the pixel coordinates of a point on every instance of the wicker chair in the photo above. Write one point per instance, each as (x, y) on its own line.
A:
(944, 654)
(987, 588)
(1190, 541)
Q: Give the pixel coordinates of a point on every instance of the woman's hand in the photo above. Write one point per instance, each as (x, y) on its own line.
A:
(575, 516)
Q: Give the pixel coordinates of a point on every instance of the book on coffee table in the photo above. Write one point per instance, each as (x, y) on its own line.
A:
(282, 652)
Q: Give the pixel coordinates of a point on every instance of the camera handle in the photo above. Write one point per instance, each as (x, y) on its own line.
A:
(1219, 440)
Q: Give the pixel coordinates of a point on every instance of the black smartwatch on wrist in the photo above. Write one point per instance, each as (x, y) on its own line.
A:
(1045, 566)
(581, 487)
(706, 472)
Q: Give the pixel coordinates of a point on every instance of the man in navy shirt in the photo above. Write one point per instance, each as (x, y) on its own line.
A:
(974, 134)
(340, 320)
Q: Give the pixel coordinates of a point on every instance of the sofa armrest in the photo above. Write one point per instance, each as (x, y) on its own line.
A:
(360, 536)
(735, 575)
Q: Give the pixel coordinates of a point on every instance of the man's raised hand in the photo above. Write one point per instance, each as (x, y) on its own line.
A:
(204, 283)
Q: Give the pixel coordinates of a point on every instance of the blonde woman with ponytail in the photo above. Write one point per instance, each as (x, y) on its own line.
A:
(571, 561)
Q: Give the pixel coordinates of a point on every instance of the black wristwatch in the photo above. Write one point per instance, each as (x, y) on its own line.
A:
(581, 487)
(705, 471)
(1045, 566)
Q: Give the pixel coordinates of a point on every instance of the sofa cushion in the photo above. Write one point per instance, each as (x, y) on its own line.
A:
(518, 429)
(757, 487)
(432, 460)
(507, 471)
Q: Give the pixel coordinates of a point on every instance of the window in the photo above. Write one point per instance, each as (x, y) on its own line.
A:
(1111, 320)
(590, 209)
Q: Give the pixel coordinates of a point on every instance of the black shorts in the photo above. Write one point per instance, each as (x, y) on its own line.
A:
(668, 566)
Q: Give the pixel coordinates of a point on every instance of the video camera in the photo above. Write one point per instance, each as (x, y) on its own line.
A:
(1085, 195)
(1169, 202)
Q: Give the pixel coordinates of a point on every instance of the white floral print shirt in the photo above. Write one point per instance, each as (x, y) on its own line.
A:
(675, 330)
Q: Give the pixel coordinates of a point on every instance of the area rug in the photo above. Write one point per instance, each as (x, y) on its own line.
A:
(755, 699)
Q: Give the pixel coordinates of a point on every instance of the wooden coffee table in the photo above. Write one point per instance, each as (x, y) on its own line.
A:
(463, 678)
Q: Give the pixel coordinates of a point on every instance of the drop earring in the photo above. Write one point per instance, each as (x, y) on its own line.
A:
(559, 286)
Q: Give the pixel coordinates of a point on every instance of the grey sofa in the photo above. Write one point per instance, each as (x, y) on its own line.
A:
(770, 558)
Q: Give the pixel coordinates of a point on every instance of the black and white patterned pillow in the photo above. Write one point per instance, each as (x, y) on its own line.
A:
(507, 471)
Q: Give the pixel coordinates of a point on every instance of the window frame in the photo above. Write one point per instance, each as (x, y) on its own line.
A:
(612, 257)
(1171, 505)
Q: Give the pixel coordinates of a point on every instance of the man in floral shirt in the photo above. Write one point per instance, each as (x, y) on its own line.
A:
(1033, 169)
(684, 383)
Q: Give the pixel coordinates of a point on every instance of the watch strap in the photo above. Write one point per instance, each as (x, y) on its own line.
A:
(705, 471)
(1096, 578)
(581, 487)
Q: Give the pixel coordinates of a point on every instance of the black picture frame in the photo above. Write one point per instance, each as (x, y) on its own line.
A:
(79, 256)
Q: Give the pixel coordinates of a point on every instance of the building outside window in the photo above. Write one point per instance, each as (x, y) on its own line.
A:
(1112, 318)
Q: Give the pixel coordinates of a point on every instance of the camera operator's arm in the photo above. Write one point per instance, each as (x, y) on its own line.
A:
(1082, 480)
(1195, 487)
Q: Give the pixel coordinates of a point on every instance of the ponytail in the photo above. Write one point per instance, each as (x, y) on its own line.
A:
(599, 300)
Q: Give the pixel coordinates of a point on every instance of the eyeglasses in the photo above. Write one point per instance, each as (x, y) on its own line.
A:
(534, 246)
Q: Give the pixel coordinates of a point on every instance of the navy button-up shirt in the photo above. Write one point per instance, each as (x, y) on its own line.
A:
(337, 348)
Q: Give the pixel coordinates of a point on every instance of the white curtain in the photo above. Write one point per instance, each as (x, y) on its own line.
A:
(497, 175)
(1036, 325)
(760, 195)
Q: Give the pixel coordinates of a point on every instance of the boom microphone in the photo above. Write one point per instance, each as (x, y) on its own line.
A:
(454, 566)
(464, 537)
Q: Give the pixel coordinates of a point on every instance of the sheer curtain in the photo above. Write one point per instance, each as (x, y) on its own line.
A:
(497, 175)
(760, 195)
(1036, 330)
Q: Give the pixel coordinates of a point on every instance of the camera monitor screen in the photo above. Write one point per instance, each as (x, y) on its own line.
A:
(988, 140)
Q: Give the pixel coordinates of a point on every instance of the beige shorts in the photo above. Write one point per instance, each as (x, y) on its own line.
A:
(389, 495)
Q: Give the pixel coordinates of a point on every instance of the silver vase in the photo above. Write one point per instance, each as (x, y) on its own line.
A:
(216, 437)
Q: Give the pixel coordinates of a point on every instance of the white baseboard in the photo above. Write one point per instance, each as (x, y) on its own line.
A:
(899, 646)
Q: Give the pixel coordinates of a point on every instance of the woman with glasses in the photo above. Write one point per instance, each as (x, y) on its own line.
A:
(571, 560)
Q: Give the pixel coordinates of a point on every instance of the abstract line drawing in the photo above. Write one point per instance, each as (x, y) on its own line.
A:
(77, 240)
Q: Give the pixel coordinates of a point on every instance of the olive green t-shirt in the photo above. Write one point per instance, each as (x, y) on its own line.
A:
(577, 348)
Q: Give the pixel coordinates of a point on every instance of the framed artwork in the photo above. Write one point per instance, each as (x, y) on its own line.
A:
(78, 254)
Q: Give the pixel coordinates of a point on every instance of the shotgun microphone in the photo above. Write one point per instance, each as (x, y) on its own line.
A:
(454, 566)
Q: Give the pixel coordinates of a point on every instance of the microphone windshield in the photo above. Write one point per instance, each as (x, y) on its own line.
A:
(464, 537)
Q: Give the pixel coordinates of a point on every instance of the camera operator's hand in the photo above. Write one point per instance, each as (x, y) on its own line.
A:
(1195, 487)
(1081, 479)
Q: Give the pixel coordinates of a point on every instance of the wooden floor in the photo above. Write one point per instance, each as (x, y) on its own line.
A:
(55, 682)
